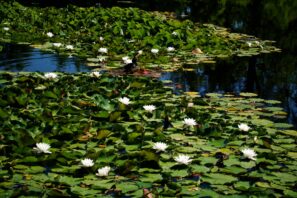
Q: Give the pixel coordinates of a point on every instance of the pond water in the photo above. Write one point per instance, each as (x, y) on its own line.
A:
(272, 76)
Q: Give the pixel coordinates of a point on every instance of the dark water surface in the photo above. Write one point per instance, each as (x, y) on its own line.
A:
(272, 76)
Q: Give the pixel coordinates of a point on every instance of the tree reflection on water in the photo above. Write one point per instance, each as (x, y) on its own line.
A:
(272, 76)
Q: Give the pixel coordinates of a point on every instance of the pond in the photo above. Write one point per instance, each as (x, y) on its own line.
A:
(80, 133)
(272, 76)
(264, 74)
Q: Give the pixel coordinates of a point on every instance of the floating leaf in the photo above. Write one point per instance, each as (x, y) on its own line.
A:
(289, 132)
(127, 187)
(216, 178)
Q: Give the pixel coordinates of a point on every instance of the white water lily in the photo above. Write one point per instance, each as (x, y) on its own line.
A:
(140, 52)
(249, 153)
(183, 159)
(101, 58)
(6, 28)
(102, 172)
(57, 44)
(243, 127)
(102, 50)
(125, 100)
(49, 34)
(249, 44)
(257, 42)
(149, 108)
(87, 162)
(190, 104)
(95, 74)
(70, 47)
(50, 75)
(126, 60)
(160, 146)
(155, 51)
(174, 33)
(101, 38)
(189, 122)
(170, 49)
(42, 148)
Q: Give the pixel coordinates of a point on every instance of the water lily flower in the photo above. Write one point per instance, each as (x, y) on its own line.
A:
(155, 51)
(257, 42)
(140, 52)
(49, 34)
(57, 44)
(174, 33)
(95, 74)
(101, 38)
(190, 104)
(126, 60)
(103, 171)
(243, 127)
(249, 153)
(170, 49)
(189, 122)
(249, 44)
(87, 162)
(42, 148)
(101, 58)
(149, 108)
(102, 50)
(183, 159)
(70, 47)
(160, 146)
(50, 75)
(6, 28)
(125, 100)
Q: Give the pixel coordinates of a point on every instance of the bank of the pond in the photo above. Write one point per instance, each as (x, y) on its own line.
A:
(116, 123)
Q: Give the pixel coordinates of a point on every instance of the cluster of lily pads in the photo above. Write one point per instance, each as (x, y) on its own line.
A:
(92, 134)
(105, 35)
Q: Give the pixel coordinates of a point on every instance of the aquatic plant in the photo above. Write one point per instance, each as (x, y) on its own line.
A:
(160, 146)
(42, 148)
(116, 32)
(81, 117)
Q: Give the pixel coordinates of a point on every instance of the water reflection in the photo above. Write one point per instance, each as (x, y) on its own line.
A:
(272, 76)
(24, 58)
(235, 75)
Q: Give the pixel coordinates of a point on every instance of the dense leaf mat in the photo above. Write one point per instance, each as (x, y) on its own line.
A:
(80, 116)
(122, 31)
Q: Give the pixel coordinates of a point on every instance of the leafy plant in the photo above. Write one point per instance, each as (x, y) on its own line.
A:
(81, 116)
(123, 31)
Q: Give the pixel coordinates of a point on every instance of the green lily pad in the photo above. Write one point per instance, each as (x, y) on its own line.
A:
(216, 178)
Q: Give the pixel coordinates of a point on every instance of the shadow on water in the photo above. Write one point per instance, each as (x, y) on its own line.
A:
(237, 75)
(272, 76)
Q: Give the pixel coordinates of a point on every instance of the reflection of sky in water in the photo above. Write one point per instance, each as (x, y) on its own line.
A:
(35, 60)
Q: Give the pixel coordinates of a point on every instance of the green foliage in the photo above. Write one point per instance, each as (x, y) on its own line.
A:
(124, 32)
(80, 116)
